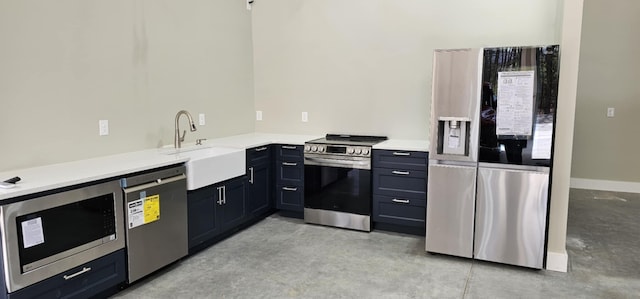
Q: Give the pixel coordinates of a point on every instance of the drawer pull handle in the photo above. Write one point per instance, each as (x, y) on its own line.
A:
(289, 189)
(401, 154)
(84, 270)
(261, 149)
(400, 172)
(405, 201)
(289, 164)
(289, 147)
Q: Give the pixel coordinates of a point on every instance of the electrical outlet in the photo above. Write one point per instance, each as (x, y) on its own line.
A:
(103, 126)
(201, 119)
(305, 117)
(611, 112)
(258, 115)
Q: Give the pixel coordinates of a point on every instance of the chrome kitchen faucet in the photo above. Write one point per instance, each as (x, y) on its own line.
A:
(179, 139)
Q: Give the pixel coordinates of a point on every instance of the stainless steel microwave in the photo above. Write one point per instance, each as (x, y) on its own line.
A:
(47, 235)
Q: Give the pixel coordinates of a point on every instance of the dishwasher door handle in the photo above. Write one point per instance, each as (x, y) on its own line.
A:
(154, 183)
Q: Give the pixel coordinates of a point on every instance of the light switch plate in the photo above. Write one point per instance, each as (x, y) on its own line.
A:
(201, 119)
(258, 115)
(103, 126)
(305, 117)
(611, 112)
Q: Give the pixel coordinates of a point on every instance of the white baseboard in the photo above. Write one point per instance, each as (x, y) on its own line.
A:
(557, 261)
(604, 185)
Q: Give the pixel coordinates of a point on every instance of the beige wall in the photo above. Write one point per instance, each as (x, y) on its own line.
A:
(66, 64)
(604, 148)
(364, 66)
(559, 203)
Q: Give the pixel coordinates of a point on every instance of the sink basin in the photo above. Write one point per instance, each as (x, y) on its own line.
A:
(210, 165)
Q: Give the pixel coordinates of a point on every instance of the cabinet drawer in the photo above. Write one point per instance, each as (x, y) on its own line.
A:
(401, 159)
(290, 172)
(90, 279)
(258, 154)
(289, 152)
(290, 198)
(403, 183)
(400, 211)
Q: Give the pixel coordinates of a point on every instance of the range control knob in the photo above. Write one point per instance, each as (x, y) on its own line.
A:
(350, 151)
(314, 148)
(365, 152)
(307, 148)
(359, 151)
(321, 148)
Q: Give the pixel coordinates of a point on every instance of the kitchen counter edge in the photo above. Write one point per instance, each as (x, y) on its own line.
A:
(54, 176)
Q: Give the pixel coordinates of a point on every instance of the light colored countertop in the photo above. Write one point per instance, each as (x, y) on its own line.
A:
(403, 145)
(48, 177)
(260, 139)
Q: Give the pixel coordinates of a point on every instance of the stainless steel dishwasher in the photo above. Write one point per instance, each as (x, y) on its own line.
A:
(156, 220)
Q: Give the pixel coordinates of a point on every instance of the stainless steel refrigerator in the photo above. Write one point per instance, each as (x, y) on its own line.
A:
(492, 123)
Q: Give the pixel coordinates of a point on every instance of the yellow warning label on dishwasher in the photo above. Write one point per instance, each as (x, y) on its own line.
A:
(151, 208)
(144, 210)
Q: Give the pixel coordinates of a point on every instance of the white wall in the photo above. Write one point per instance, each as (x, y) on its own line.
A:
(66, 64)
(364, 66)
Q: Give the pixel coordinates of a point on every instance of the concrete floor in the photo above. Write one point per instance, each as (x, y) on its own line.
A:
(284, 258)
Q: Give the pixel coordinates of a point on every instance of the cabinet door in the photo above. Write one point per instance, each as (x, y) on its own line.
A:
(400, 159)
(290, 172)
(231, 206)
(290, 198)
(84, 281)
(289, 152)
(259, 186)
(201, 207)
(260, 154)
(400, 211)
(400, 182)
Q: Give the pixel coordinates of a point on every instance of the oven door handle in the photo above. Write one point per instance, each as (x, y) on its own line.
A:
(337, 163)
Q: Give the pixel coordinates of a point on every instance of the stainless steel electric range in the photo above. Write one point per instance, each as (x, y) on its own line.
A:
(337, 188)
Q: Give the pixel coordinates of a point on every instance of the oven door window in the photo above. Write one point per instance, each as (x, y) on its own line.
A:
(44, 234)
(337, 189)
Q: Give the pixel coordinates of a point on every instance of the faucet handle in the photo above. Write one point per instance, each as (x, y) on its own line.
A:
(199, 141)
(183, 134)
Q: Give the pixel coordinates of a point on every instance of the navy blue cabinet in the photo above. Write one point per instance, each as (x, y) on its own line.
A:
(289, 169)
(290, 198)
(260, 181)
(400, 159)
(214, 209)
(230, 199)
(90, 279)
(400, 189)
(201, 210)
